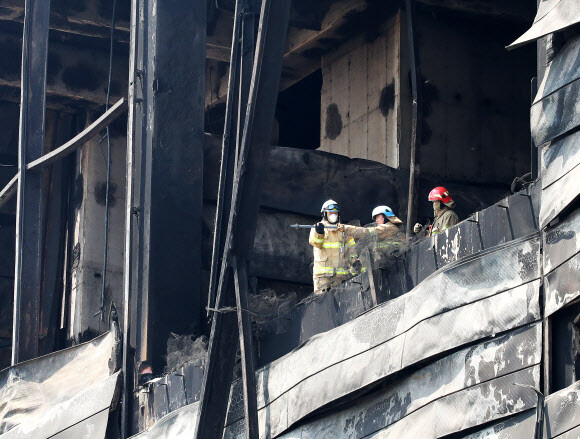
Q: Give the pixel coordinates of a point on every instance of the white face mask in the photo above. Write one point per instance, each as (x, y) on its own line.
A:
(333, 218)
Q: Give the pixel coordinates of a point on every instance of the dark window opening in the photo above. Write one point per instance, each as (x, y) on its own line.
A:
(298, 114)
(565, 342)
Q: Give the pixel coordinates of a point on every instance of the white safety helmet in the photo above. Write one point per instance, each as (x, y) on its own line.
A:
(385, 210)
(329, 206)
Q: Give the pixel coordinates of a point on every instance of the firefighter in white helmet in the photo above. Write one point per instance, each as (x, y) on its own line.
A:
(333, 248)
(388, 230)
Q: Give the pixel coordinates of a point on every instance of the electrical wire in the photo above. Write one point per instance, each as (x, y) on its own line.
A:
(105, 253)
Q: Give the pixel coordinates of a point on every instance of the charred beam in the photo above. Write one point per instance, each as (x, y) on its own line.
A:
(28, 271)
(72, 145)
(244, 211)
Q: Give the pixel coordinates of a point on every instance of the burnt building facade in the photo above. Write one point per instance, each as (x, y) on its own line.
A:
(154, 155)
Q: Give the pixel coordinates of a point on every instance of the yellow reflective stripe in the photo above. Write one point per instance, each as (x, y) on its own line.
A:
(324, 270)
(385, 244)
(331, 245)
(351, 242)
(342, 271)
(363, 270)
(314, 239)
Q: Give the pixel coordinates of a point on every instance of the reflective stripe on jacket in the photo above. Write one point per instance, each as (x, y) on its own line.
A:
(334, 250)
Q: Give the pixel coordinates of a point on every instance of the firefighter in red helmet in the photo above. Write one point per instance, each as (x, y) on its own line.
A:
(443, 206)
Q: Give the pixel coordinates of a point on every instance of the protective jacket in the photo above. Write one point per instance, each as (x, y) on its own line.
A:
(388, 235)
(334, 252)
(446, 219)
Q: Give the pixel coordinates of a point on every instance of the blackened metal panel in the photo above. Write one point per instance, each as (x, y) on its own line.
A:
(58, 376)
(455, 373)
(495, 225)
(192, 376)
(180, 424)
(160, 406)
(85, 415)
(562, 285)
(438, 315)
(559, 158)
(562, 410)
(561, 71)
(560, 173)
(555, 112)
(457, 243)
(176, 391)
(561, 242)
(552, 16)
(422, 261)
(559, 195)
(484, 403)
(522, 215)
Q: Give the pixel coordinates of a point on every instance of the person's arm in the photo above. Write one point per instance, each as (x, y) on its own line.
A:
(316, 239)
(355, 231)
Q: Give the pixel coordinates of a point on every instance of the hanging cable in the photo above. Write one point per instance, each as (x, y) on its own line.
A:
(105, 253)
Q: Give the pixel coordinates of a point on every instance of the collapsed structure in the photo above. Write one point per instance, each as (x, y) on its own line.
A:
(155, 288)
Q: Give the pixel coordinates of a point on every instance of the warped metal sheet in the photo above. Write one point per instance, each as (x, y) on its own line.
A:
(564, 69)
(562, 411)
(475, 406)
(570, 434)
(437, 315)
(180, 424)
(85, 415)
(561, 242)
(521, 426)
(559, 195)
(556, 108)
(455, 373)
(562, 286)
(58, 377)
(556, 114)
(552, 16)
(559, 158)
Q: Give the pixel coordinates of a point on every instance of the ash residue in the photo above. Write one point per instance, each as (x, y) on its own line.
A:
(185, 349)
(268, 305)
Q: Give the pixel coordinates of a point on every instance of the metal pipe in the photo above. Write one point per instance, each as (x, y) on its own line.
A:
(105, 252)
(415, 122)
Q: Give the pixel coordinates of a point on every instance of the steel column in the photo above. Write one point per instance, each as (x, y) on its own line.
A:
(28, 270)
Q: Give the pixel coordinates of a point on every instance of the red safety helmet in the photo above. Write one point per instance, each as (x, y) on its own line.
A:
(440, 194)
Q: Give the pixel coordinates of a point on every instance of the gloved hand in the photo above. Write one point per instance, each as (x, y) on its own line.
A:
(356, 267)
(418, 227)
(319, 228)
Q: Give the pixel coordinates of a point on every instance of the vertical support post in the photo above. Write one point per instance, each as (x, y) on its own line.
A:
(28, 270)
(246, 348)
(256, 143)
(227, 166)
(129, 217)
(416, 116)
(169, 171)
